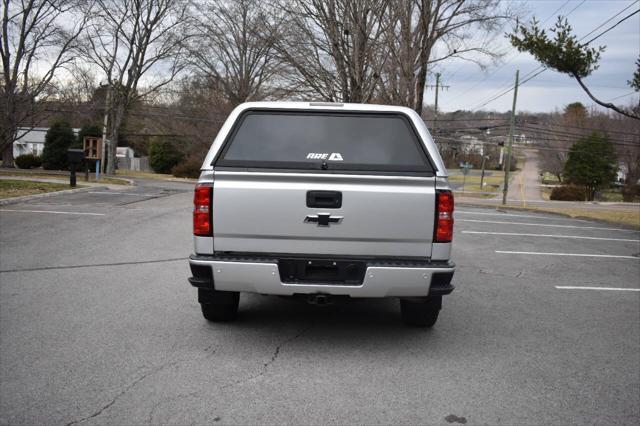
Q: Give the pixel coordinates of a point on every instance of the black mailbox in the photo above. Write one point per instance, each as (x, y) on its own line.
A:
(75, 157)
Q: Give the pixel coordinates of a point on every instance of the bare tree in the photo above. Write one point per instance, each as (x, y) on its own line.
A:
(35, 46)
(234, 47)
(425, 32)
(138, 45)
(334, 47)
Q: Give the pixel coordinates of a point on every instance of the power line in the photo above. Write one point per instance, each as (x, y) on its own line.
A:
(607, 21)
(557, 137)
(522, 147)
(587, 129)
(510, 89)
(613, 26)
(518, 53)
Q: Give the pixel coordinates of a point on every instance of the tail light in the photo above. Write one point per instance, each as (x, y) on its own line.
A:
(202, 218)
(444, 218)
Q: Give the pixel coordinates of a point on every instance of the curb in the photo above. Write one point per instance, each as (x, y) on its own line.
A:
(16, 200)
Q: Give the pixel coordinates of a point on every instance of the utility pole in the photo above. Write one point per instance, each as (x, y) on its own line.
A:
(103, 163)
(482, 174)
(435, 116)
(437, 87)
(511, 126)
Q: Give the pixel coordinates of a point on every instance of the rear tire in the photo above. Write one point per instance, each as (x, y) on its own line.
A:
(218, 306)
(421, 312)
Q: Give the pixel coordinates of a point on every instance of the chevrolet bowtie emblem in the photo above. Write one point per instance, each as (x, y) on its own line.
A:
(322, 219)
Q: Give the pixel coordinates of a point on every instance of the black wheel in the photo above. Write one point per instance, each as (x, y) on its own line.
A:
(421, 312)
(219, 305)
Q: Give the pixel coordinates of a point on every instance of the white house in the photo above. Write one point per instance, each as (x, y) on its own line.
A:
(471, 144)
(124, 152)
(622, 172)
(31, 140)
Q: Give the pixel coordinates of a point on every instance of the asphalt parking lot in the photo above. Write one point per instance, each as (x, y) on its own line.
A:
(98, 325)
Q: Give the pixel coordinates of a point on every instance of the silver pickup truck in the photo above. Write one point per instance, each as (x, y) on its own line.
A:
(320, 201)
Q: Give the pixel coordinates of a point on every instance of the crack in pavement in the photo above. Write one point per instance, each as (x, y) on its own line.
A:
(123, 392)
(95, 265)
(128, 388)
(266, 365)
(209, 351)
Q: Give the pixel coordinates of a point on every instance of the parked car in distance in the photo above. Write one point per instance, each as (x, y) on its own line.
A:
(321, 200)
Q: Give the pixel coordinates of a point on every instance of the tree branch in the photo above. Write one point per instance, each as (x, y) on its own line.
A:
(604, 104)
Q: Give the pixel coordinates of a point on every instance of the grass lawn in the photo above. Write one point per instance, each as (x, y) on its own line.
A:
(549, 179)
(472, 194)
(611, 216)
(147, 175)
(616, 217)
(18, 188)
(65, 176)
(492, 185)
(496, 178)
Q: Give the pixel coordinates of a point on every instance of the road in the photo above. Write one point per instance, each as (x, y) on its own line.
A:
(525, 184)
(99, 326)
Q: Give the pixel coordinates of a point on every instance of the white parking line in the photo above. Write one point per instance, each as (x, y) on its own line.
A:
(544, 224)
(517, 215)
(534, 253)
(121, 193)
(568, 287)
(517, 234)
(52, 212)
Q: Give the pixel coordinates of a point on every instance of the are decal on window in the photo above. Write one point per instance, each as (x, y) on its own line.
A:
(334, 156)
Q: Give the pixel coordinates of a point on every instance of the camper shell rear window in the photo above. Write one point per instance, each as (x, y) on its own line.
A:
(320, 140)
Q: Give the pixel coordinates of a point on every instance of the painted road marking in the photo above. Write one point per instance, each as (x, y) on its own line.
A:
(121, 193)
(561, 287)
(545, 224)
(52, 212)
(517, 234)
(613, 256)
(517, 215)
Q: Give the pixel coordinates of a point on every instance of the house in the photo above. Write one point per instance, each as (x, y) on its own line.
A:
(471, 144)
(124, 152)
(621, 174)
(30, 140)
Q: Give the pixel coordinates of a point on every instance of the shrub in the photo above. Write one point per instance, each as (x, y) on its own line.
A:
(190, 168)
(164, 155)
(630, 192)
(568, 193)
(58, 140)
(28, 161)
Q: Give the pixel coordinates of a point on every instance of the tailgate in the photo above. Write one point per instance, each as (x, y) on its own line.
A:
(265, 212)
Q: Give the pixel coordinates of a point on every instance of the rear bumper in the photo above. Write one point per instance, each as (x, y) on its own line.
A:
(382, 279)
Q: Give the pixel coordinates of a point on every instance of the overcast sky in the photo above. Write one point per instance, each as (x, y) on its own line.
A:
(470, 86)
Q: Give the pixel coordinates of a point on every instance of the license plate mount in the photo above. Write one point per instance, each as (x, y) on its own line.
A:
(322, 271)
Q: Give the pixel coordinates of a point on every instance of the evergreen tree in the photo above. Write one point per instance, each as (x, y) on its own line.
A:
(592, 164)
(164, 155)
(58, 140)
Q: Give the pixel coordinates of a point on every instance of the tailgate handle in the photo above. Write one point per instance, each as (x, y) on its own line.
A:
(324, 199)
